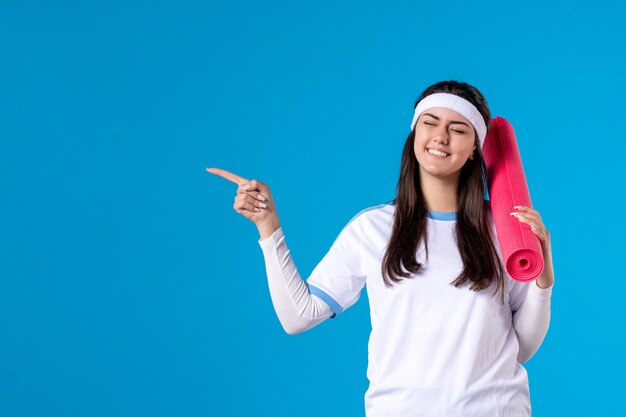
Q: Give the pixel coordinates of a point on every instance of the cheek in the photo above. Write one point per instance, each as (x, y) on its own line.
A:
(419, 143)
(466, 149)
(417, 148)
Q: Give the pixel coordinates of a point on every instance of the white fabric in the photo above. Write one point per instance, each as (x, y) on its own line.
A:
(532, 320)
(295, 307)
(459, 105)
(434, 349)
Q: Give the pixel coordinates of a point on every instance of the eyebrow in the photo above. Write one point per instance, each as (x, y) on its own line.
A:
(458, 122)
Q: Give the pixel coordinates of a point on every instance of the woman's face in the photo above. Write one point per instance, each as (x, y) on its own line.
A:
(443, 130)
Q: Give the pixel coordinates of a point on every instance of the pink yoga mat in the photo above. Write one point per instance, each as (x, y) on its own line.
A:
(521, 249)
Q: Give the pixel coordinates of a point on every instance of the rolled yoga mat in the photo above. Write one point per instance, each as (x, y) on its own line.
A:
(520, 247)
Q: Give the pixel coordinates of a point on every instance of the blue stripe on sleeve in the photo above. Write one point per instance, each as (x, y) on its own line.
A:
(334, 305)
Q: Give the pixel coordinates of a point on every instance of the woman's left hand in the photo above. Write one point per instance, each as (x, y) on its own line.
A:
(532, 218)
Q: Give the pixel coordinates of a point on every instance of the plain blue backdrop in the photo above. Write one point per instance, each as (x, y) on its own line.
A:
(128, 284)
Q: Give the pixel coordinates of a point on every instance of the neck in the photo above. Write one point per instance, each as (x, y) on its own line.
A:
(439, 193)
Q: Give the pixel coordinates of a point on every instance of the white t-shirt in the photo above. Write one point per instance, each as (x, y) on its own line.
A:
(434, 350)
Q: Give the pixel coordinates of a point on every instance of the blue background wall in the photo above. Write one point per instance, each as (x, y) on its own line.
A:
(129, 285)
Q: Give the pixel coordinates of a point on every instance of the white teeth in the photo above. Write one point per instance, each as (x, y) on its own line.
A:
(437, 153)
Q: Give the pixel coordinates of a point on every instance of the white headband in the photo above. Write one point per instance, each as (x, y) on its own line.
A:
(459, 105)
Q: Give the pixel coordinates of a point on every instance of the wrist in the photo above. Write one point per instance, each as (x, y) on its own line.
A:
(268, 228)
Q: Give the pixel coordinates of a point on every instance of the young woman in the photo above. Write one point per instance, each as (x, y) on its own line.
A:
(449, 326)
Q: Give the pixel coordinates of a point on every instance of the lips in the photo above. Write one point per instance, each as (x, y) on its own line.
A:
(437, 153)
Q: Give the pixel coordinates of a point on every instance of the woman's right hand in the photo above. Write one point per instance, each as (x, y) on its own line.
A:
(254, 201)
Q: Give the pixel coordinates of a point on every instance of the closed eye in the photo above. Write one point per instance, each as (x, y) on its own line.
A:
(457, 131)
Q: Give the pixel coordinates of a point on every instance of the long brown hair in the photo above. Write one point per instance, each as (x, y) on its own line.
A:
(481, 264)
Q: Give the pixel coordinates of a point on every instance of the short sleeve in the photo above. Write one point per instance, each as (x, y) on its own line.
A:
(518, 293)
(339, 277)
(521, 291)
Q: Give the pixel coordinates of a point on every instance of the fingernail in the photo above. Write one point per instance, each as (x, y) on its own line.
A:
(257, 209)
(246, 187)
(261, 197)
(517, 207)
(263, 205)
(514, 213)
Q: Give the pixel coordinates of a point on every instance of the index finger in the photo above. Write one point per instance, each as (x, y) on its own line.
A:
(228, 175)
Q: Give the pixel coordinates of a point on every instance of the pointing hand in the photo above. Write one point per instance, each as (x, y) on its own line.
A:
(253, 200)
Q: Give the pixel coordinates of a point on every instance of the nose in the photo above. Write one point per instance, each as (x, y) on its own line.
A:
(441, 135)
(441, 138)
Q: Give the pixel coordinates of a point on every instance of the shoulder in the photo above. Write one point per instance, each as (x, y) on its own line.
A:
(379, 213)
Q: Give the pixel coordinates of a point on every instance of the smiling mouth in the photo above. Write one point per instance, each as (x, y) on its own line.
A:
(437, 153)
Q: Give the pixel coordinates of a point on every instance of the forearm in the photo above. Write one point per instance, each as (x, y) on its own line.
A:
(532, 320)
(297, 309)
